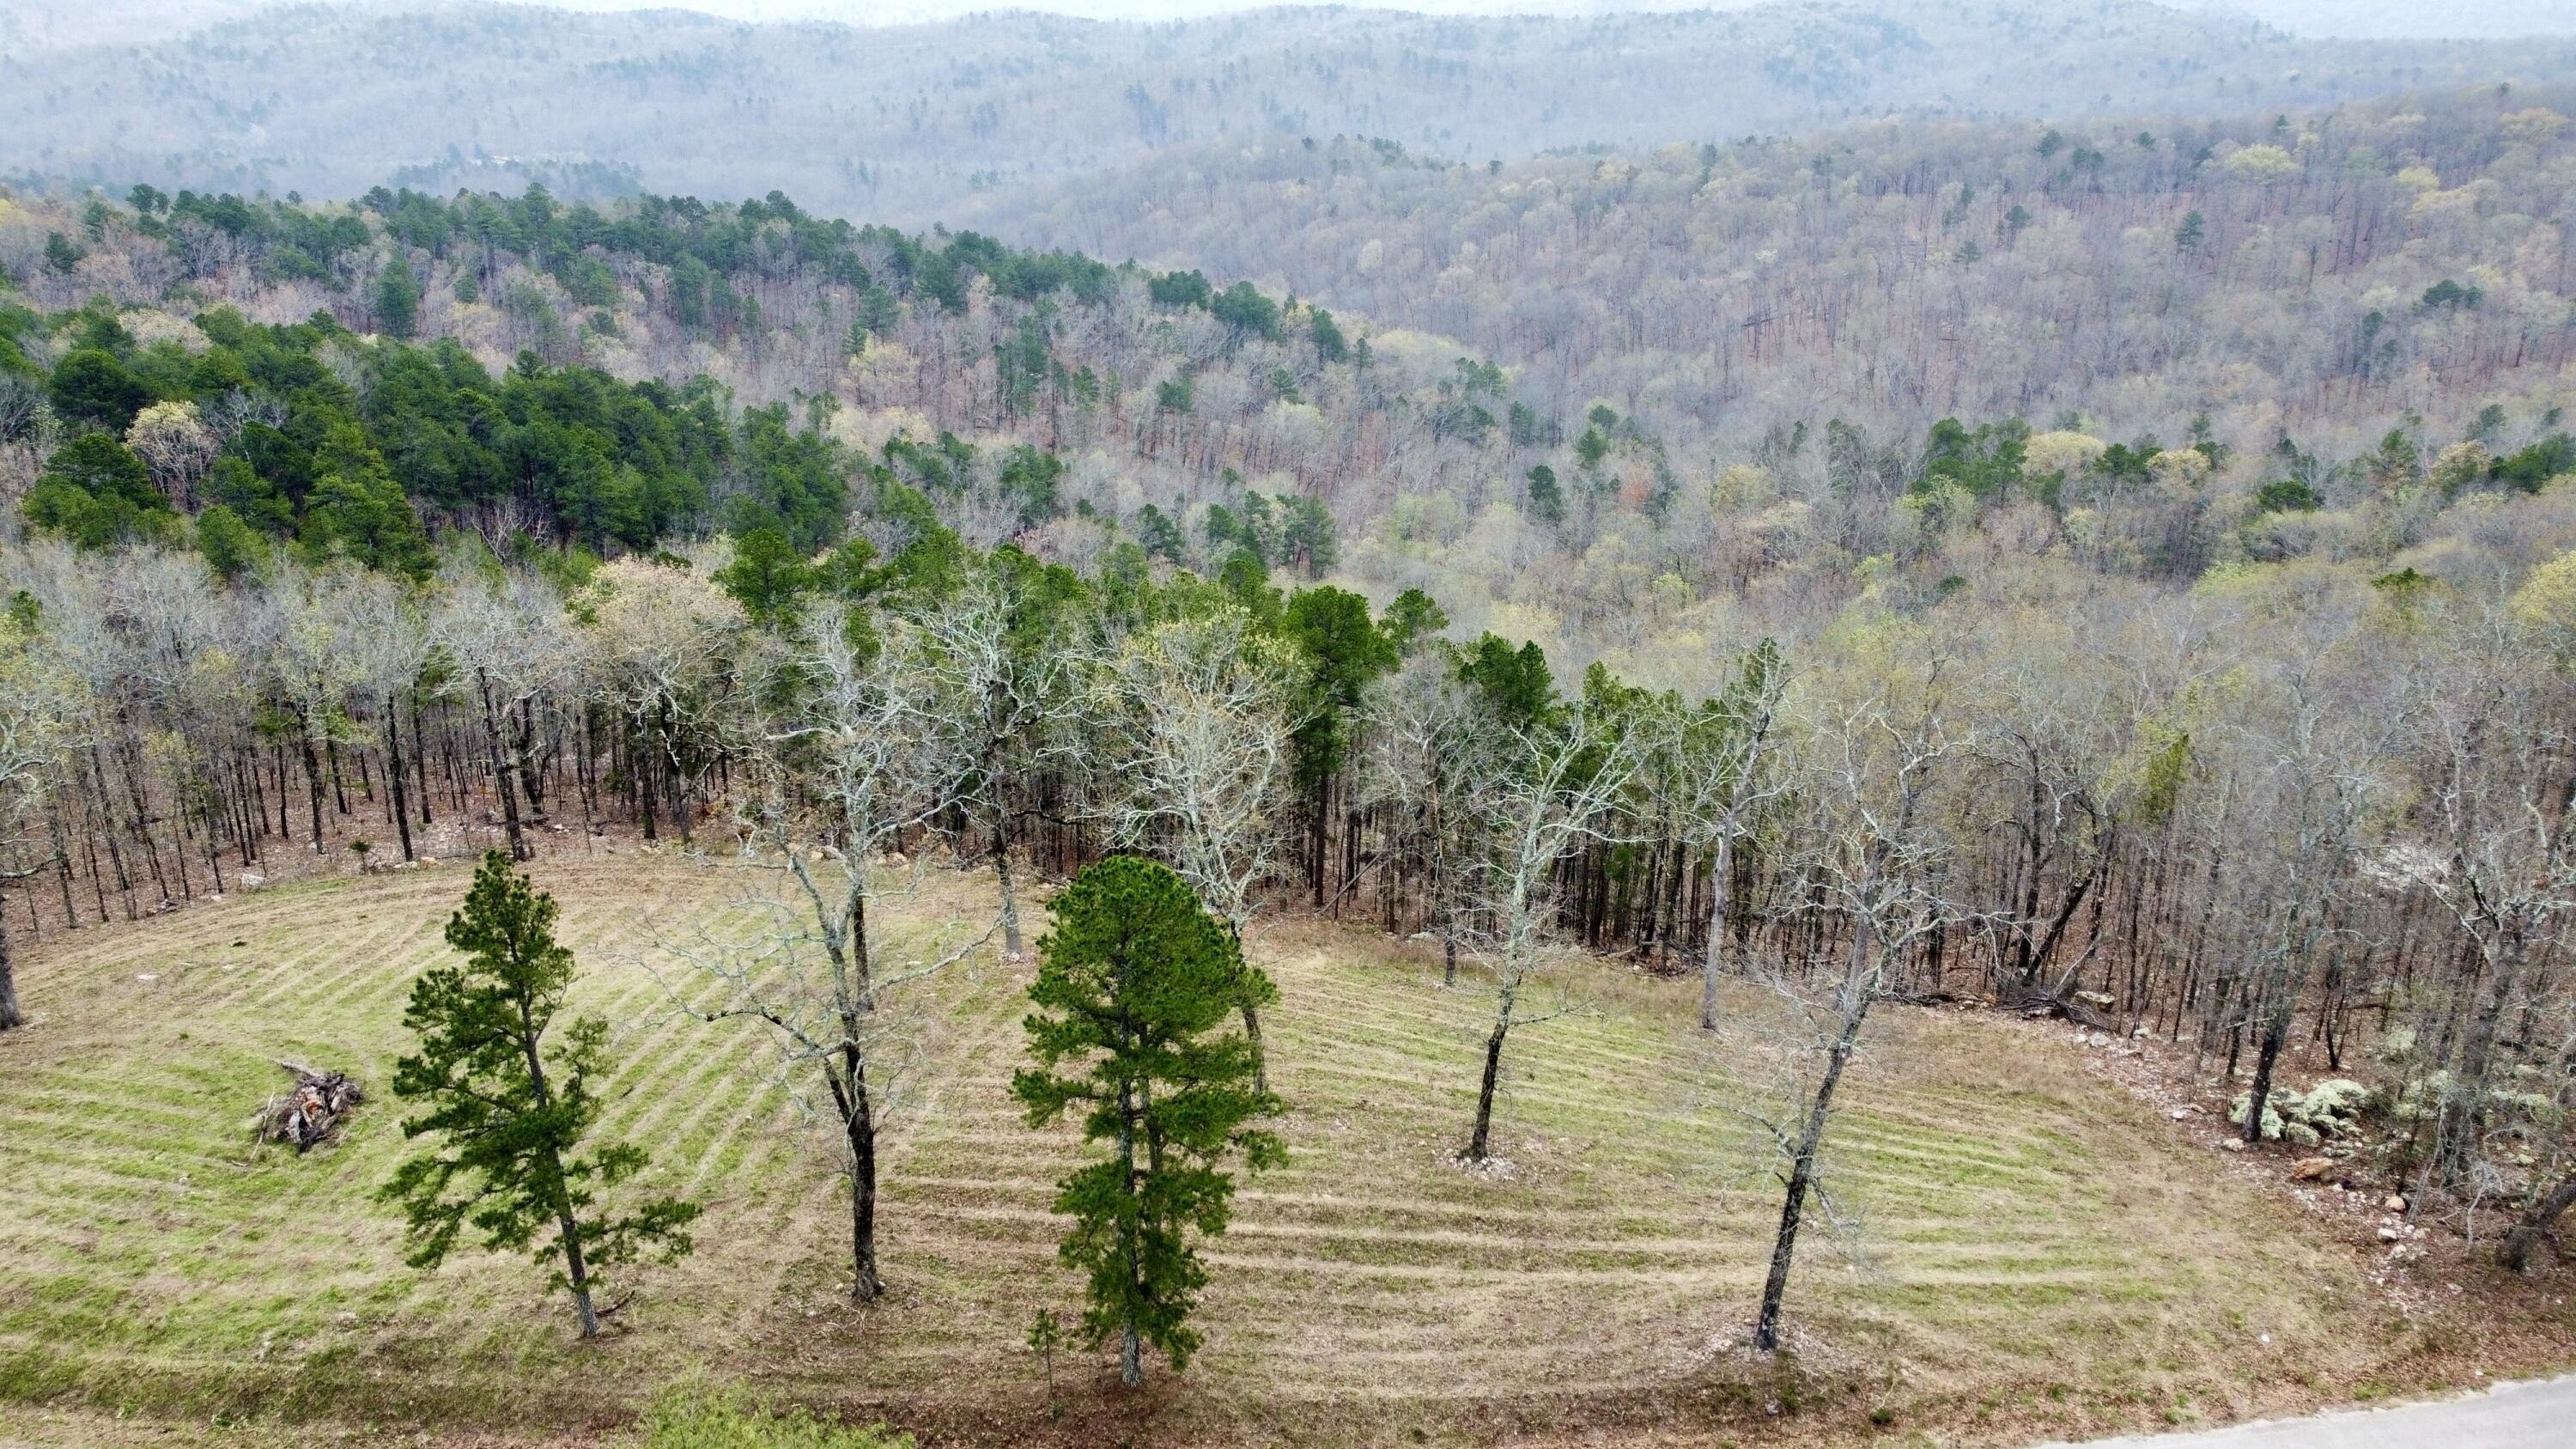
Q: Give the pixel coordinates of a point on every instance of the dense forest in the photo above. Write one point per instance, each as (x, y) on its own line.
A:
(907, 123)
(2289, 336)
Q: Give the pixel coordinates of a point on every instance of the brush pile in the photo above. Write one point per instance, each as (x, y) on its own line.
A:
(308, 1113)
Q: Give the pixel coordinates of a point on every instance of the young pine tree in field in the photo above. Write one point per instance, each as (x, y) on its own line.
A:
(512, 1108)
(1133, 981)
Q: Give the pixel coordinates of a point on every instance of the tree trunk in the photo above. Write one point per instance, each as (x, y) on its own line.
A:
(1713, 958)
(532, 778)
(859, 1120)
(339, 790)
(1802, 1174)
(2276, 1034)
(312, 774)
(1131, 1359)
(1481, 1140)
(1260, 1057)
(579, 1274)
(502, 778)
(1011, 943)
(420, 758)
(394, 774)
(10, 1015)
(2518, 1243)
(576, 1271)
(1440, 898)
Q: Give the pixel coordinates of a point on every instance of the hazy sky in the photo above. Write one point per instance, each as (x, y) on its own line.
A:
(29, 25)
(2314, 17)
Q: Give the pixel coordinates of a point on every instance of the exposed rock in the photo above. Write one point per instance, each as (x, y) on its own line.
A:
(2314, 1169)
(2231, 1144)
(2394, 1203)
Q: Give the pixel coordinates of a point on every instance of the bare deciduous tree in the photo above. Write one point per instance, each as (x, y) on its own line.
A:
(996, 683)
(1870, 766)
(510, 638)
(1723, 781)
(42, 703)
(1198, 717)
(851, 765)
(1423, 749)
(1554, 793)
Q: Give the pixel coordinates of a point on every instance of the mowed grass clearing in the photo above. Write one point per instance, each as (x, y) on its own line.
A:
(2034, 1245)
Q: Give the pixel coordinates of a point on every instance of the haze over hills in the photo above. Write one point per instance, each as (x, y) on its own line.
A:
(51, 24)
(907, 123)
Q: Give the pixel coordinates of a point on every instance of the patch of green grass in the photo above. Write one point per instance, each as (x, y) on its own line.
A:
(684, 1418)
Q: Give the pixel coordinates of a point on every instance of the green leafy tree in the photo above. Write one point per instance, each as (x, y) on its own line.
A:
(398, 299)
(767, 576)
(233, 549)
(1546, 499)
(1243, 308)
(1133, 982)
(1345, 650)
(1330, 344)
(96, 493)
(91, 386)
(511, 1108)
(359, 511)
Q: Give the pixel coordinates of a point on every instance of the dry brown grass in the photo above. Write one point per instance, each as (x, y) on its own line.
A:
(2039, 1248)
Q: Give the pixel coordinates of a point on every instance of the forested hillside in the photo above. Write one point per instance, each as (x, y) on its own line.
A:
(2275, 271)
(2118, 572)
(907, 123)
(1704, 383)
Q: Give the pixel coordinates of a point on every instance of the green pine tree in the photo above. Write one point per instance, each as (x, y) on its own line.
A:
(398, 299)
(511, 1108)
(1134, 981)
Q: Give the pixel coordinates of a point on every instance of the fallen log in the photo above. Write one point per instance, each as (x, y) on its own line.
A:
(309, 1113)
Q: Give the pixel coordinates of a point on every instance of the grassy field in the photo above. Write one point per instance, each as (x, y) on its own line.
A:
(2038, 1250)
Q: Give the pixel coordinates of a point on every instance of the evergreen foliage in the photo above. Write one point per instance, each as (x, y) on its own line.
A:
(1134, 981)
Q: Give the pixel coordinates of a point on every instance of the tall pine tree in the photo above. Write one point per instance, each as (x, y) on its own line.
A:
(513, 1109)
(1134, 980)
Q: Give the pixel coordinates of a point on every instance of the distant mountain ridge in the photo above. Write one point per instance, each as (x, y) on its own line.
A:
(911, 123)
(56, 24)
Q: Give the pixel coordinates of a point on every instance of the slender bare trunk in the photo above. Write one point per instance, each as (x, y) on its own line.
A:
(858, 1121)
(503, 779)
(1011, 943)
(1721, 884)
(1480, 1142)
(1802, 1176)
(394, 774)
(10, 1015)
